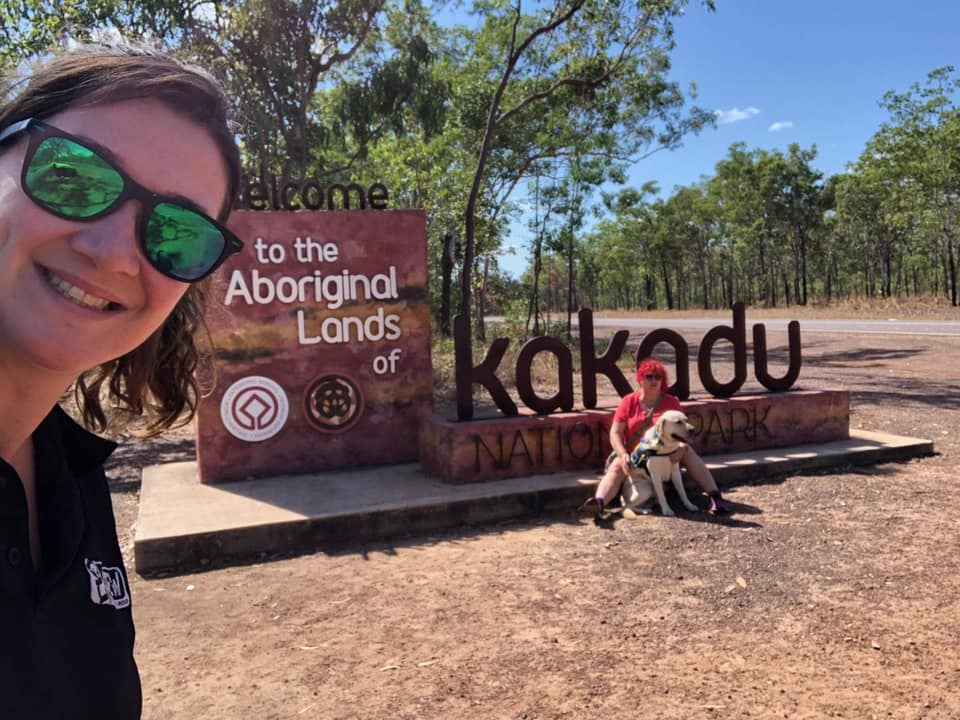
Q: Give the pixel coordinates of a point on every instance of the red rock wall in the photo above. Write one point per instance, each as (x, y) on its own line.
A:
(475, 451)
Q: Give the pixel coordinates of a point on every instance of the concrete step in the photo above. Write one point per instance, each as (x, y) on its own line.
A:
(185, 524)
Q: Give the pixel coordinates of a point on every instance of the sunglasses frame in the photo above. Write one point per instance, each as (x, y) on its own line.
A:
(132, 190)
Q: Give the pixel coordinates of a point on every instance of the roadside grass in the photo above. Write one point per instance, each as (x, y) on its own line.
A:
(914, 307)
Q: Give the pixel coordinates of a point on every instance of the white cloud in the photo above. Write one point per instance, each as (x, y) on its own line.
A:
(780, 125)
(733, 115)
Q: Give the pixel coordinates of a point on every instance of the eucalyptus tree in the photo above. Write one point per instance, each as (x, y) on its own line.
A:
(584, 75)
(798, 205)
(924, 135)
(274, 57)
(547, 204)
(572, 190)
(423, 153)
(625, 248)
(875, 204)
(29, 28)
(831, 258)
(683, 244)
(742, 188)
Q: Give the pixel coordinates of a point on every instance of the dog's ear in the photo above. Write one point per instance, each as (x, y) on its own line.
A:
(659, 429)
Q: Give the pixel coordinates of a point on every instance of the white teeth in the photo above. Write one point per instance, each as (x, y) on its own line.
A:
(75, 294)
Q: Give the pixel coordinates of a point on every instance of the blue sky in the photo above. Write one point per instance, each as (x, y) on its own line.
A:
(816, 68)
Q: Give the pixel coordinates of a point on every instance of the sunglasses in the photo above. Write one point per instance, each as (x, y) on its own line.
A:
(652, 378)
(69, 178)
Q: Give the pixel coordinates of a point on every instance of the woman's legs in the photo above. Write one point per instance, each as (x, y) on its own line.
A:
(698, 470)
(614, 476)
(609, 486)
(611, 482)
(704, 478)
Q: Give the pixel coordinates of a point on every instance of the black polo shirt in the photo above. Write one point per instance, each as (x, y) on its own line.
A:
(66, 630)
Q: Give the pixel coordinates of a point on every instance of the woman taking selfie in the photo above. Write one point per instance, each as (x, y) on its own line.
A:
(117, 170)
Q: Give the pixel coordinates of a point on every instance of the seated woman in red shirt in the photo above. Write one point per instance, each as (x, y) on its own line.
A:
(637, 412)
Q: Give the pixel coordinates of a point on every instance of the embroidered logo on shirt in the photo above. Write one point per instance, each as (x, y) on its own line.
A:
(107, 585)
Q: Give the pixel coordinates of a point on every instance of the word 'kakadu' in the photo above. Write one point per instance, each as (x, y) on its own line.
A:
(485, 374)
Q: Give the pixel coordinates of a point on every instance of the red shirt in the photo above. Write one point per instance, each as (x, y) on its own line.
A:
(631, 412)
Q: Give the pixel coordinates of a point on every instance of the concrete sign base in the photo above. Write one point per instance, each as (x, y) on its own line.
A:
(480, 450)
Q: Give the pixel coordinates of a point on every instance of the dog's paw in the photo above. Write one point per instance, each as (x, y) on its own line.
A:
(629, 514)
(691, 507)
(667, 511)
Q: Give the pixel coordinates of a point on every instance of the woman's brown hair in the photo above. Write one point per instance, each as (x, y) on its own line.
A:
(158, 378)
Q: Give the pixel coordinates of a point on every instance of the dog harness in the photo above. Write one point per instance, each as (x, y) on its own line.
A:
(646, 448)
(637, 436)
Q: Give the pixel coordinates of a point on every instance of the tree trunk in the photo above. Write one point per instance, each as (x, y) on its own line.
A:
(570, 283)
(483, 155)
(898, 285)
(763, 272)
(681, 290)
(803, 268)
(796, 272)
(466, 273)
(730, 282)
(772, 287)
(446, 274)
(534, 309)
(885, 284)
(666, 283)
(481, 300)
(724, 289)
(703, 280)
(953, 274)
(828, 283)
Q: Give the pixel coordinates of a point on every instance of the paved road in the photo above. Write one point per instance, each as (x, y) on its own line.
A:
(945, 328)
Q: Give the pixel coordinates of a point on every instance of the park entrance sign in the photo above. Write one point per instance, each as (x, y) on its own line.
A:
(322, 331)
(552, 435)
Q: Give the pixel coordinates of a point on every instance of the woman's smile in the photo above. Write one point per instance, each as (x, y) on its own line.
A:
(77, 295)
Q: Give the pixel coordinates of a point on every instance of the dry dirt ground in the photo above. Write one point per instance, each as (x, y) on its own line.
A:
(830, 594)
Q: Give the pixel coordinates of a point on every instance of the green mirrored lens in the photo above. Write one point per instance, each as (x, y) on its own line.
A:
(72, 180)
(181, 242)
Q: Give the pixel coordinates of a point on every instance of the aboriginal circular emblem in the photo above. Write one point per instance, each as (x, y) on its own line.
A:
(254, 408)
(332, 403)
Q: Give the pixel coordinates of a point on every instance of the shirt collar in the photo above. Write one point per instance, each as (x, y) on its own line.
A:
(83, 451)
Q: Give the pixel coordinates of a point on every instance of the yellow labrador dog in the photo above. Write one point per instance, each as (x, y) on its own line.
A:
(652, 466)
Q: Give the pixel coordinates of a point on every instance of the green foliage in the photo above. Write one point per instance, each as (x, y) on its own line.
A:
(767, 228)
(29, 28)
(554, 101)
(314, 82)
(584, 78)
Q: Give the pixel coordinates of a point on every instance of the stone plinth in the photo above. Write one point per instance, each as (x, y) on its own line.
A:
(494, 449)
(754, 422)
(322, 330)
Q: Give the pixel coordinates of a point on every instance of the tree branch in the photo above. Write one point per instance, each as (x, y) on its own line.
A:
(613, 68)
